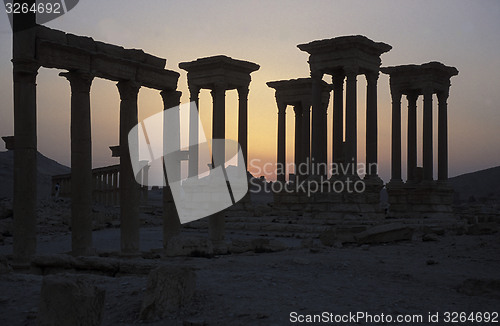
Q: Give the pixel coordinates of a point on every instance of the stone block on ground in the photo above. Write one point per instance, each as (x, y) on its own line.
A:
(167, 290)
(4, 265)
(70, 300)
(257, 245)
(187, 245)
(385, 233)
(328, 238)
(483, 228)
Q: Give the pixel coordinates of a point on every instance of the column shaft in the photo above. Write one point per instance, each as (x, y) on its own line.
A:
(298, 139)
(171, 221)
(351, 132)
(194, 127)
(129, 188)
(371, 124)
(412, 137)
(442, 136)
(81, 163)
(396, 137)
(243, 122)
(281, 168)
(338, 117)
(216, 222)
(427, 156)
(25, 162)
(319, 127)
(306, 139)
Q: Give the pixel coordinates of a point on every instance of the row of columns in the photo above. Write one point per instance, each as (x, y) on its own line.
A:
(427, 143)
(106, 186)
(302, 158)
(25, 198)
(319, 121)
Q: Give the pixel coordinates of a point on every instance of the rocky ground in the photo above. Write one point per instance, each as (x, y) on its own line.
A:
(429, 274)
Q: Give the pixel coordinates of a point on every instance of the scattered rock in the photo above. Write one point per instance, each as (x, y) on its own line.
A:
(186, 245)
(53, 260)
(258, 245)
(483, 228)
(429, 237)
(328, 238)
(385, 233)
(301, 261)
(6, 209)
(431, 262)
(364, 247)
(433, 230)
(194, 322)
(307, 243)
(70, 300)
(168, 289)
(486, 287)
(4, 265)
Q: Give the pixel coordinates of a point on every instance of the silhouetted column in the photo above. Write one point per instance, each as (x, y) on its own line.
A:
(396, 137)
(25, 162)
(306, 139)
(171, 221)
(442, 136)
(145, 187)
(281, 168)
(371, 124)
(412, 136)
(243, 122)
(194, 92)
(115, 188)
(427, 136)
(129, 188)
(319, 127)
(216, 222)
(298, 139)
(351, 135)
(338, 116)
(81, 163)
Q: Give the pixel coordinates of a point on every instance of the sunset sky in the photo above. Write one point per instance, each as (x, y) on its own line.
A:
(463, 34)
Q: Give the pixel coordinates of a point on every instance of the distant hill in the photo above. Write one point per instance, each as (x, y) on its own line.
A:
(46, 169)
(484, 183)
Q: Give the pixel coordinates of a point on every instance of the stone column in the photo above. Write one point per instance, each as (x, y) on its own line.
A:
(338, 116)
(427, 157)
(81, 163)
(319, 127)
(298, 139)
(351, 131)
(129, 188)
(25, 162)
(396, 137)
(145, 187)
(194, 92)
(306, 138)
(371, 124)
(216, 222)
(442, 136)
(412, 137)
(171, 222)
(243, 122)
(281, 168)
(115, 188)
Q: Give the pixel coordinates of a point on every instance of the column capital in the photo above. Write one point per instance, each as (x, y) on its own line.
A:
(443, 96)
(412, 97)
(396, 96)
(297, 109)
(351, 71)
(427, 91)
(372, 77)
(281, 106)
(220, 87)
(80, 81)
(128, 89)
(243, 91)
(194, 89)
(338, 80)
(25, 70)
(170, 98)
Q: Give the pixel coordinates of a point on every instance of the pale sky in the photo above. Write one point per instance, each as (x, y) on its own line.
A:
(463, 34)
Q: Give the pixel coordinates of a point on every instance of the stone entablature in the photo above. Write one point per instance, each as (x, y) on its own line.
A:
(57, 49)
(297, 93)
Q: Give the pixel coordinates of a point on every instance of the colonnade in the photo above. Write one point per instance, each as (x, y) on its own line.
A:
(415, 80)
